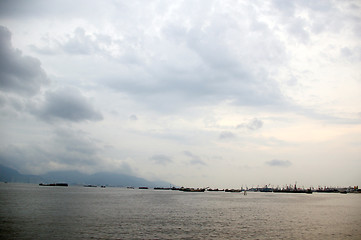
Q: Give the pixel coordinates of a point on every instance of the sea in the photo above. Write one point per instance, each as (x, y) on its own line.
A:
(29, 211)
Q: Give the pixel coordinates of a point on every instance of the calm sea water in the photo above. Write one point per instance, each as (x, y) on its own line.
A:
(32, 212)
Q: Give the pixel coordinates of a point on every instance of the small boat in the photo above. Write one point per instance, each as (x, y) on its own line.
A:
(233, 190)
(143, 187)
(192, 189)
(215, 190)
(162, 188)
(54, 184)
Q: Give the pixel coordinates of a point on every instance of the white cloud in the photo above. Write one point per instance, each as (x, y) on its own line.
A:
(243, 81)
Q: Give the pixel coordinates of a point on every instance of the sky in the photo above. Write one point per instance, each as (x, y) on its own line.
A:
(196, 93)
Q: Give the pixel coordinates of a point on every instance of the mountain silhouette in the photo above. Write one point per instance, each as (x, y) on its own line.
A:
(11, 175)
(75, 178)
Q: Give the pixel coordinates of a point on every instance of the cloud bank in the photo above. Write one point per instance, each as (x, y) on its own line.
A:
(188, 93)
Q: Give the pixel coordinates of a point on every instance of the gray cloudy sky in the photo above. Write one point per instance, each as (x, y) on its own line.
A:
(197, 93)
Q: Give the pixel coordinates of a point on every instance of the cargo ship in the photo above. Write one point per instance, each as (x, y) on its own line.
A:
(54, 184)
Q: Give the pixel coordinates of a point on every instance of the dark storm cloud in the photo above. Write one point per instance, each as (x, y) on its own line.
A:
(161, 159)
(66, 148)
(67, 104)
(40, 8)
(279, 163)
(18, 74)
(23, 75)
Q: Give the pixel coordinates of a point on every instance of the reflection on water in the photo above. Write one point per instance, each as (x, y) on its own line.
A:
(32, 212)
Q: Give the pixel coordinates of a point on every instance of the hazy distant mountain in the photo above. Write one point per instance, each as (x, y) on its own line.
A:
(75, 177)
(102, 178)
(71, 177)
(11, 175)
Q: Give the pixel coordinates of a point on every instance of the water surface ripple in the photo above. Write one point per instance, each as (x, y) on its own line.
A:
(33, 212)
